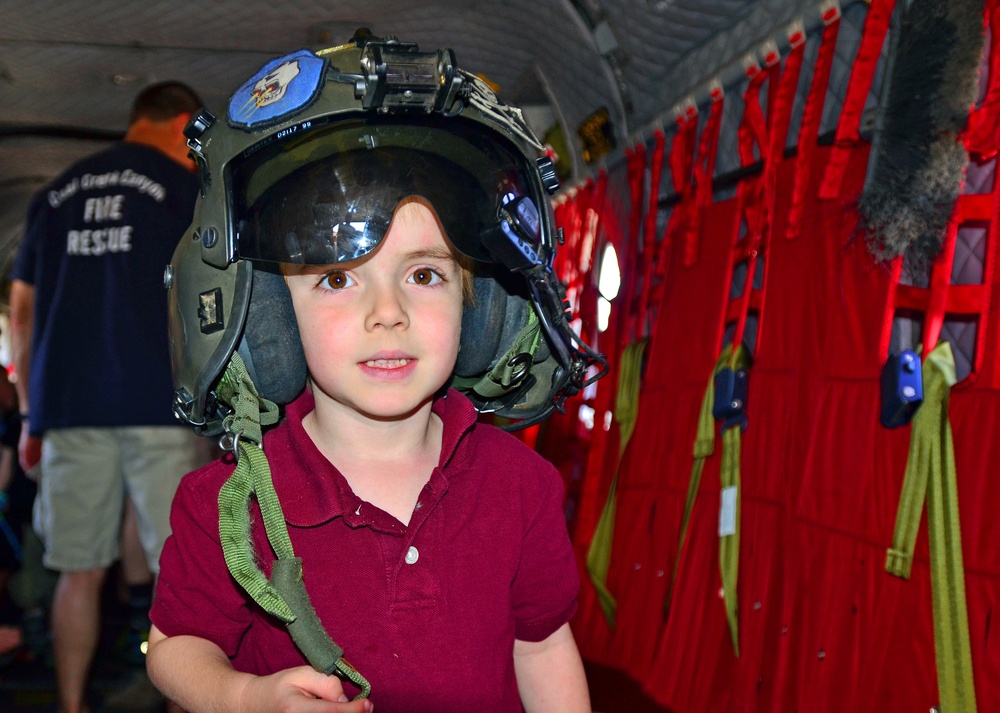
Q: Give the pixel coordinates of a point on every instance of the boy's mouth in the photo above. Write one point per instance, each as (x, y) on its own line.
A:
(387, 363)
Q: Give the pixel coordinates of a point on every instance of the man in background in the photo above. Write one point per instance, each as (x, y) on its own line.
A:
(89, 338)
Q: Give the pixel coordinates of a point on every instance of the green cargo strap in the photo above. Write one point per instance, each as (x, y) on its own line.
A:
(599, 554)
(626, 414)
(930, 474)
(284, 596)
(704, 446)
(627, 401)
(729, 474)
(510, 368)
(729, 545)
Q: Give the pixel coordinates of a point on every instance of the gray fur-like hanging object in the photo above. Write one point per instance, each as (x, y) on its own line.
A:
(917, 162)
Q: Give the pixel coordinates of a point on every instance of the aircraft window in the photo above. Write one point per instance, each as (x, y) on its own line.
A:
(961, 331)
(970, 252)
(608, 283)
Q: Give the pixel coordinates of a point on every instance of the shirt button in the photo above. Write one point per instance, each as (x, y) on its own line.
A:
(411, 555)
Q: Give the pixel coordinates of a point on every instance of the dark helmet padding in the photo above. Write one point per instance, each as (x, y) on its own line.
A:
(271, 347)
(490, 325)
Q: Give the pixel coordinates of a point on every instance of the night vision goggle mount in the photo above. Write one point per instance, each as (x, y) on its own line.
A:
(398, 77)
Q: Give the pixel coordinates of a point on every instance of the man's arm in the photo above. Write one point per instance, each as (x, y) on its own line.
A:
(196, 674)
(550, 674)
(22, 319)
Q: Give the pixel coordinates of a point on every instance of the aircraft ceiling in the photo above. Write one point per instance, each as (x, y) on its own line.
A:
(69, 70)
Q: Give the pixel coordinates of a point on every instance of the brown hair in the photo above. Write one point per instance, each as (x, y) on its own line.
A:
(163, 101)
(467, 267)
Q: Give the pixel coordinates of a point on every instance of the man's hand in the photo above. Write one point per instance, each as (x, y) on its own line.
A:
(29, 449)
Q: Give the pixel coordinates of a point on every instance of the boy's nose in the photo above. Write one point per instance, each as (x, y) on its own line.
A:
(387, 311)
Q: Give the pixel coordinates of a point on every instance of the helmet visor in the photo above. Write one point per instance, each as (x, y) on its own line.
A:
(328, 194)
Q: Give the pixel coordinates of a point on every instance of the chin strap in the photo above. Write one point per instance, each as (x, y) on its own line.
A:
(511, 369)
(284, 595)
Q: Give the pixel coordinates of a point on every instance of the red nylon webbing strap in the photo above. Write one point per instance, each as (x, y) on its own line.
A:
(592, 221)
(582, 202)
(572, 259)
(781, 99)
(757, 196)
(862, 74)
(565, 214)
(636, 169)
(569, 217)
(572, 230)
(588, 256)
(649, 229)
(780, 111)
(812, 115)
(750, 196)
(628, 253)
(750, 300)
(753, 127)
(942, 298)
(681, 161)
(983, 134)
(704, 169)
(682, 150)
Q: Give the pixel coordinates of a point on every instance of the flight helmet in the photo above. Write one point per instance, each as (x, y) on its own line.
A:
(315, 152)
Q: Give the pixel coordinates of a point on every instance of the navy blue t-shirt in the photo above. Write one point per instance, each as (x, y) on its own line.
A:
(96, 245)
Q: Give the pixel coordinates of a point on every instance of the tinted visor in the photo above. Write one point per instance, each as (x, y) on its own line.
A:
(328, 194)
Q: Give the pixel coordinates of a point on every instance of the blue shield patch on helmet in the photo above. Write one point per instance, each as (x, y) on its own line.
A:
(282, 88)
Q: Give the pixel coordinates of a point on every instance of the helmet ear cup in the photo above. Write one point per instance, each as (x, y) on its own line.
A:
(491, 324)
(492, 330)
(271, 346)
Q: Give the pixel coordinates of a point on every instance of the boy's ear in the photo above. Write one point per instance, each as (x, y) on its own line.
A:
(271, 347)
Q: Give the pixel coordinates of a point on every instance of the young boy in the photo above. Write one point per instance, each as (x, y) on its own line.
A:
(432, 547)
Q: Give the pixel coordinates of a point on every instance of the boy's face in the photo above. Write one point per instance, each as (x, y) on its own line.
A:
(381, 334)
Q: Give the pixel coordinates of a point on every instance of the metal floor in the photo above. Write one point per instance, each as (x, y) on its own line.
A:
(27, 684)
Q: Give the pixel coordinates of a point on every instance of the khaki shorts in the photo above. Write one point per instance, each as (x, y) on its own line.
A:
(85, 475)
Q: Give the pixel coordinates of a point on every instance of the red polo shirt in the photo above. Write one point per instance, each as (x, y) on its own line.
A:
(427, 612)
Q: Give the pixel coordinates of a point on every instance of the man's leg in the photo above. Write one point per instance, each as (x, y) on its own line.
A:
(138, 693)
(78, 515)
(76, 612)
(154, 459)
(137, 582)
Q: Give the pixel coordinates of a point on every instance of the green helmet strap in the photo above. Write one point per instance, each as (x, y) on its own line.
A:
(511, 369)
(284, 595)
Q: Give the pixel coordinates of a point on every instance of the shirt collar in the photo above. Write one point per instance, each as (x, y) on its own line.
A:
(312, 491)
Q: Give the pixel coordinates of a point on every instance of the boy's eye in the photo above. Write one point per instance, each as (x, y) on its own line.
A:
(336, 280)
(425, 276)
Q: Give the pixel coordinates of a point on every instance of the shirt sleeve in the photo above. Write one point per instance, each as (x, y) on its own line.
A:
(195, 594)
(545, 589)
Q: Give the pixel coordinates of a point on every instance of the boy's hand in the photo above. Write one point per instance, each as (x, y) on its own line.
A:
(298, 689)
